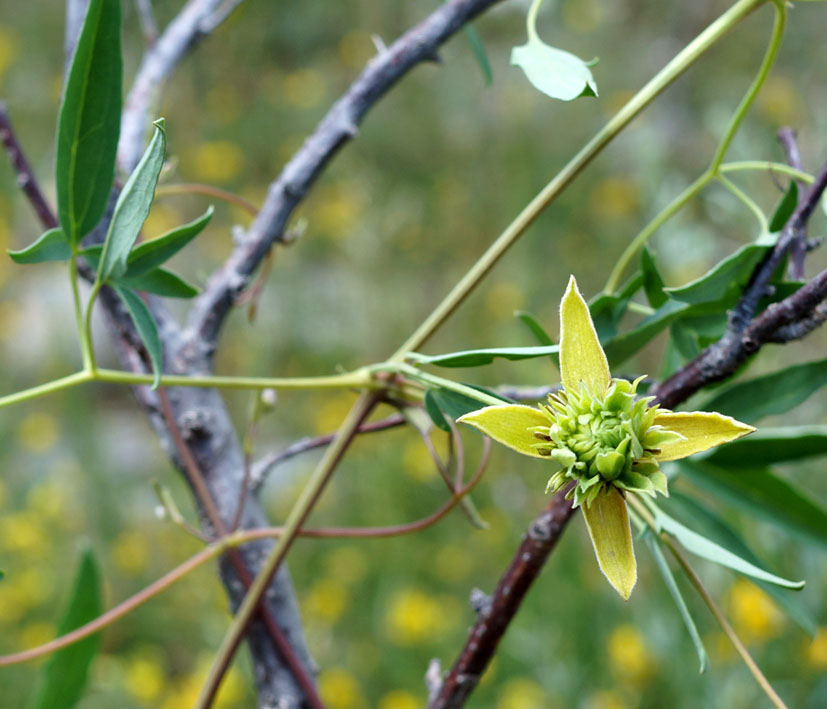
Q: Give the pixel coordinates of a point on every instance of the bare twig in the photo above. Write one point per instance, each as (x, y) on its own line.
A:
(205, 498)
(337, 128)
(25, 177)
(149, 27)
(798, 252)
(262, 468)
(494, 618)
(745, 336)
(158, 63)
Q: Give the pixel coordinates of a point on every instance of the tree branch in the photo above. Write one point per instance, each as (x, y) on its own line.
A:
(798, 252)
(195, 20)
(339, 126)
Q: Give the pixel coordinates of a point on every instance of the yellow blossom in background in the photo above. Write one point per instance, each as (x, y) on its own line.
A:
(346, 564)
(331, 411)
(524, 693)
(163, 217)
(34, 634)
(130, 552)
(355, 49)
(340, 690)
(417, 462)
(503, 298)
(24, 533)
(144, 679)
(628, 655)
(780, 103)
(816, 651)
(400, 699)
(47, 499)
(414, 616)
(38, 432)
(326, 600)
(614, 197)
(754, 614)
(9, 48)
(304, 88)
(607, 699)
(216, 161)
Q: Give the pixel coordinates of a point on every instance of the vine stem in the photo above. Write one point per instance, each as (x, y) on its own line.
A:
(298, 514)
(695, 49)
(357, 379)
(720, 618)
(716, 167)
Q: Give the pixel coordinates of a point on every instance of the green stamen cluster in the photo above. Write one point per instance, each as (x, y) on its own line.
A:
(603, 441)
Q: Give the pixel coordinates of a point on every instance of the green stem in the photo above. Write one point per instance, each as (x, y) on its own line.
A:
(663, 216)
(299, 512)
(715, 167)
(86, 332)
(85, 342)
(779, 23)
(358, 379)
(433, 379)
(47, 388)
(694, 50)
(747, 201)
(768, 166)
(531, 20)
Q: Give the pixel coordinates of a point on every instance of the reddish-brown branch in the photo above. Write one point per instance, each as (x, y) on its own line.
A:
(494, 617)
(25, 177)
(204, 497)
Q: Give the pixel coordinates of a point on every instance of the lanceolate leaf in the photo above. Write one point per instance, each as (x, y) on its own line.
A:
(89, 122)
(536, 329)
(147, 329)
(160, 282)
(64, 675)
(155, 252)
(715, 528)
(620, 348)
(660, 561)
(785, 209)
(760, 491)
(703, 547)
(50, 246)
(478, 48)
(132, 208)
(774, 393)
(772, 445)
(476, 358)
(608, 523)
(652, 282)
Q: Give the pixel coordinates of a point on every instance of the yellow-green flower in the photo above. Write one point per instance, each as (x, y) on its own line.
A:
(597, 435)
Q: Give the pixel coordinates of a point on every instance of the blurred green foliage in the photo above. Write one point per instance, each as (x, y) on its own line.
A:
(440, 166)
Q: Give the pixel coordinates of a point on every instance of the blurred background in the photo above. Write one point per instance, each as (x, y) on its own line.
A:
(440, 167)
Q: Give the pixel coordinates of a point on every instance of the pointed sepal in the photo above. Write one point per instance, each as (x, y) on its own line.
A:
(701, 430)
(608, 523)
(509, 425)
(582, 359)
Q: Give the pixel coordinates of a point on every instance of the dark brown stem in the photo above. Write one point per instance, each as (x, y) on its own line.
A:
(25, 177)
(798, 252)
(494, 617)
(746, 334)
(204, 497)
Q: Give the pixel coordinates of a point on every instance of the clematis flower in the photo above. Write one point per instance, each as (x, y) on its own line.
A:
(596, 434)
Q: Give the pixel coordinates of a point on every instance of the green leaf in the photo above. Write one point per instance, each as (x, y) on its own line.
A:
(607, 310)
(64, 675)
(480, 54)
(147, 329)
(50, 246)
(556, 73)
(772, 445)
(716, 528)
(707, 549)
(652, 282)
(160, 282)
(443, 402)
(149, 254)
(477, 358)
(785, 208)
(759, 491)
(132, 208)
(89, 122)
(726, 280)
(774, 393)
(620, 348)
(539, 333)
(666, 573)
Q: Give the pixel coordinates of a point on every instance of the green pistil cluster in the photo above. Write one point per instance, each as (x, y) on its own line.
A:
(603, 441)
